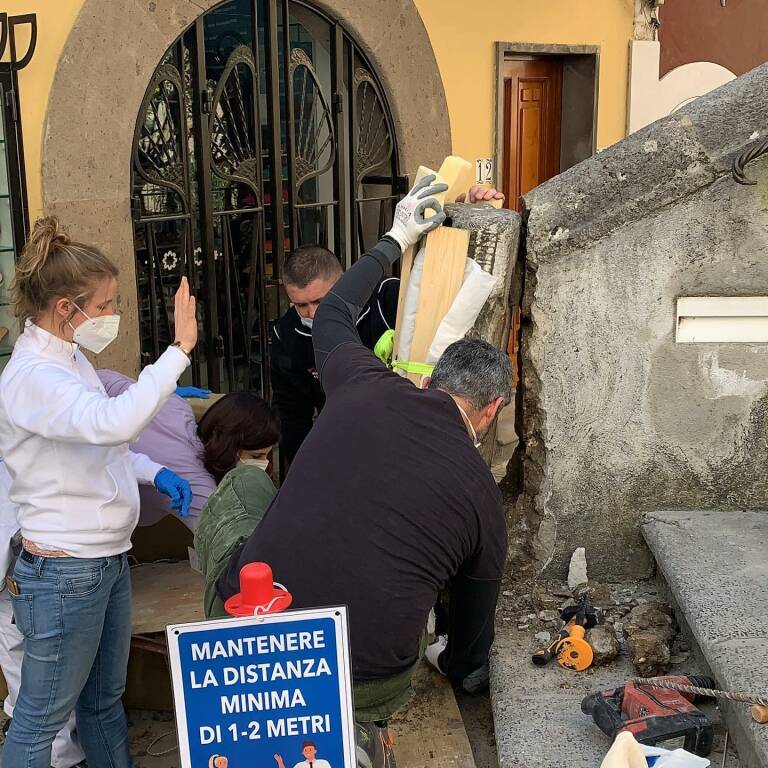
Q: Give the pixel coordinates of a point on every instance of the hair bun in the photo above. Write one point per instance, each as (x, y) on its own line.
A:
(47, 234)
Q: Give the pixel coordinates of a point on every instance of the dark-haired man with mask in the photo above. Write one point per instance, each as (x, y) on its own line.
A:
(309, 273)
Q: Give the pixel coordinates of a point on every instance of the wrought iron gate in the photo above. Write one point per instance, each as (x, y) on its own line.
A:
(263, 128)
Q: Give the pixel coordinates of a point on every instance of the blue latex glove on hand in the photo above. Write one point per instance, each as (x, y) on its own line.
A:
(203, 394)
(176, 488)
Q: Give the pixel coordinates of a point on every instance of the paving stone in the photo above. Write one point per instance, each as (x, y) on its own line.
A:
(716, 566)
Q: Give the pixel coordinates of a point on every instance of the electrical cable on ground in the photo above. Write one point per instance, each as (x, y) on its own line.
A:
(165, 751)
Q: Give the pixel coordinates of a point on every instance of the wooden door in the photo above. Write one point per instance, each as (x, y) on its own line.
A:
(532, 114)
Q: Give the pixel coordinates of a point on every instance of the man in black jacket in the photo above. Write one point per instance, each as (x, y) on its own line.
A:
(389, 500)
(309, 273)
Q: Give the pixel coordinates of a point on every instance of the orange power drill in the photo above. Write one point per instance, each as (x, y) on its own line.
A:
(569, 647)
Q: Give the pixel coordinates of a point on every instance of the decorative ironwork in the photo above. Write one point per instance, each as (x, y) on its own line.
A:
(158, 145)
(314, 133)
(756, 150)
(8, 26)
(374, 145)
(234, 148)
(210, 204)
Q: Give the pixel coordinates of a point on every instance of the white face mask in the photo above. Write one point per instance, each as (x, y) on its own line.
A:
(96, 333)
(306, 322)
(260, 463)
(469, 424)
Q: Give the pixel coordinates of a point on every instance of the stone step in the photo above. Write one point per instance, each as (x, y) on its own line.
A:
(715, 565)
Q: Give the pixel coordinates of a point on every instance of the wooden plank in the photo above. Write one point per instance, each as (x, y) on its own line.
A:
(165, 593)
(406, 264)
(200, 405)
(429, 732)
(439, 279)
(458, 174)
(445, 259)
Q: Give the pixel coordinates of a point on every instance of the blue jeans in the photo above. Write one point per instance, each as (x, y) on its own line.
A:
(75, 615)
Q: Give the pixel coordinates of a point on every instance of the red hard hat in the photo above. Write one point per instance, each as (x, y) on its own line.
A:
(258, 593)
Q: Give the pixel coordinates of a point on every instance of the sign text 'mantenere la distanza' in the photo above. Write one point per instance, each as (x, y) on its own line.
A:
(264, 672)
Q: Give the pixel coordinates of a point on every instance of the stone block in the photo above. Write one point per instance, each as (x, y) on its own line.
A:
(111, 231)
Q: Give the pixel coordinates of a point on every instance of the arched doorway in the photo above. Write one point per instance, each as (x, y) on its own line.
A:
(263, 128)
(88, 138)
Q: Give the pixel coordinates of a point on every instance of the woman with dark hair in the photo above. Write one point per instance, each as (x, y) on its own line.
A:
(240, 427)
(238, 433)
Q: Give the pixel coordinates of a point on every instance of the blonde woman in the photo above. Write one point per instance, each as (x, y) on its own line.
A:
(65, 444)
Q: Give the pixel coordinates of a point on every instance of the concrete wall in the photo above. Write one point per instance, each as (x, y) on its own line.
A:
(618, 418)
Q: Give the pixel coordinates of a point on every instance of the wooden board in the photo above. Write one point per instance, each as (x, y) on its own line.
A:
(439, 278)
(429, 732)
(445, 259)
(165, 593)
(200, 405)
(406, 264)
(459, 174)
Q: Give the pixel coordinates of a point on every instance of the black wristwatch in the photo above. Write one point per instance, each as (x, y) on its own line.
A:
(187, 352)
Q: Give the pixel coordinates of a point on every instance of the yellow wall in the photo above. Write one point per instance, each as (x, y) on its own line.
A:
(464, 34)
(54, 21)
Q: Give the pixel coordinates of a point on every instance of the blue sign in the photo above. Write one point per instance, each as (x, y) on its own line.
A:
(271, 691)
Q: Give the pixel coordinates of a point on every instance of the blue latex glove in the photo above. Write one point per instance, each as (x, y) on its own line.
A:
(203, 394)
(176, 488)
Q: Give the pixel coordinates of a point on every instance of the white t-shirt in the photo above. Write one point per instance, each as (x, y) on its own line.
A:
(314, 764)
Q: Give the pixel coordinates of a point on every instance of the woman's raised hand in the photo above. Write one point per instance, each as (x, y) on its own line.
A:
(184, 318)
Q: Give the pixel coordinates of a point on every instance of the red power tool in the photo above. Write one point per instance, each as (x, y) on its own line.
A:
(654, 715)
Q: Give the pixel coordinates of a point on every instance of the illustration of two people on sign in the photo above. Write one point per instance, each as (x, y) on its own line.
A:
(308, 749)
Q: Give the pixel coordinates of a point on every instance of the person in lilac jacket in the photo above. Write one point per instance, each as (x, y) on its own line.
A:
(170, 438)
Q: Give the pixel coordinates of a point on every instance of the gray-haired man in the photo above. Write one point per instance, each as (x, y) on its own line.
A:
(389, 500)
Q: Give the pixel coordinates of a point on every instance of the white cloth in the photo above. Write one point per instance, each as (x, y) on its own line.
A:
(411, 304)
(65, 443)
(434, 650)
(66, 751)
(315, 764)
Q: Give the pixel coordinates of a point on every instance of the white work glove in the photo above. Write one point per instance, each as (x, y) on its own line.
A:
(409, 224)
(434, 650)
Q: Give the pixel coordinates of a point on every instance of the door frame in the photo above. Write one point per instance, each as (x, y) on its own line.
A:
(508, 51)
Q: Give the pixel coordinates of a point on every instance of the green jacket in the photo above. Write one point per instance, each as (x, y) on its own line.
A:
(229, 517)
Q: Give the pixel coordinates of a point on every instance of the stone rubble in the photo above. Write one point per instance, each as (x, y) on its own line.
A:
(636, 622)
(577, 571)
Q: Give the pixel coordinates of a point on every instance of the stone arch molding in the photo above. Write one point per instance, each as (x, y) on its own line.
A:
(102, 75)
